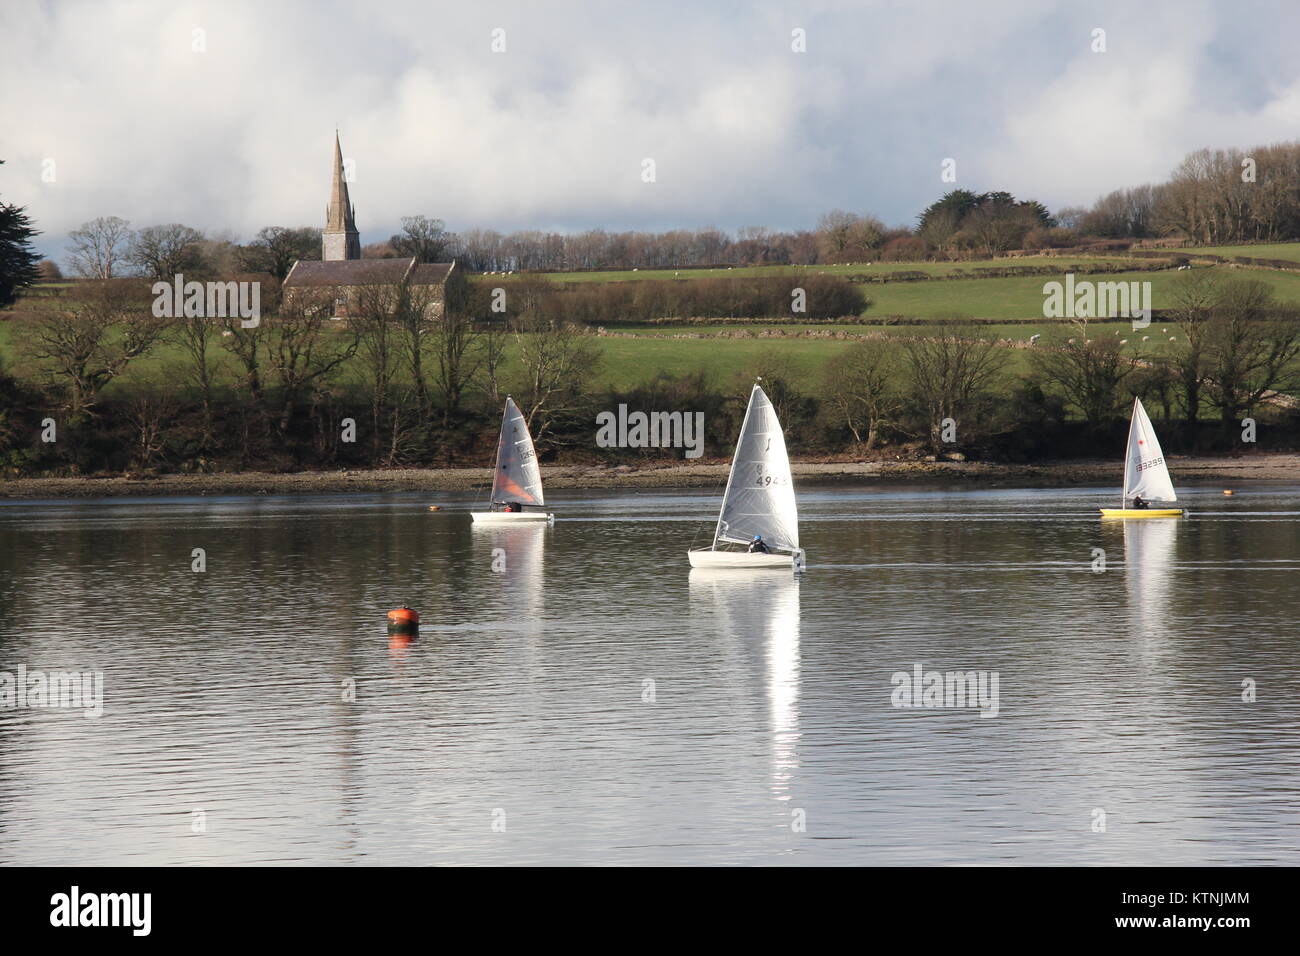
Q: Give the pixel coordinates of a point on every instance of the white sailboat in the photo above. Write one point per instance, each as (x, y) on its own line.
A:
(759, 500)
(517, 481)
(1146, 475)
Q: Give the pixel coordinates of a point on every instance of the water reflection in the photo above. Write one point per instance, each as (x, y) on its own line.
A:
(225, 690)
(517, 556)
(754, 609)
(1149, 575)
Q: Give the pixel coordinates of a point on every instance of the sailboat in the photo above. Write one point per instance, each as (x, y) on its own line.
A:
(1145, 471)
(517, 481)
(759, 500)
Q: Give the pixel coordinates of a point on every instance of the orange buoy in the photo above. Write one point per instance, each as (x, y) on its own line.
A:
(403, 620)
(435, 507)
(1227, 491)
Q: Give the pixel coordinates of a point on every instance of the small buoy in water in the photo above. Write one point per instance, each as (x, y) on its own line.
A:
(403, 620)
(1227, 491)
(435, 507)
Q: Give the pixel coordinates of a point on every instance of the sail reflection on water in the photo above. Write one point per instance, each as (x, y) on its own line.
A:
(758, 613)
(517, 556)
(1149, 565)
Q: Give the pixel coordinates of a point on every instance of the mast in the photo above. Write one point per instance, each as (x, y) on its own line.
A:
(1128, 448)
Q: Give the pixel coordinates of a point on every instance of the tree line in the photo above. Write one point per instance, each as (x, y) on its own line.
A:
(1234, 353)
(392, 386)
(1213, 196)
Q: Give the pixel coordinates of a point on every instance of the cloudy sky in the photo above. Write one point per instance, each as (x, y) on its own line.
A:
(222, 114)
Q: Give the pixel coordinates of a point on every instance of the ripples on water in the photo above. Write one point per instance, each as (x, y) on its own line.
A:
(525, 701)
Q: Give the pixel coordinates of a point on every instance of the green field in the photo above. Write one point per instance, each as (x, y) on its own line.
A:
(627, 361)
(681, 349)
(1019, 297)
(1265, 250)
(860, 268)
(1022, 297)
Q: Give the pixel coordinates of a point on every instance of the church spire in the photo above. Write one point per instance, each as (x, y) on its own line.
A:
(339, 239)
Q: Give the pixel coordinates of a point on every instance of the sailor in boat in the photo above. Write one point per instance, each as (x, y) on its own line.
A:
(757, 546)
(513, 507)
(1138, 503)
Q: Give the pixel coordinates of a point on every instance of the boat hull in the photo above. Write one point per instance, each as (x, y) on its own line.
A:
(706, 558)
(510, 517)
(1141, 512)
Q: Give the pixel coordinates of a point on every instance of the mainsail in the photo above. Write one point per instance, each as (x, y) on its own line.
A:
(517, 476)
(1145, 471)
(760, 496)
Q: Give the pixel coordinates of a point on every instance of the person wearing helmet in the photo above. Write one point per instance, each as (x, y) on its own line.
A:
(757, 546)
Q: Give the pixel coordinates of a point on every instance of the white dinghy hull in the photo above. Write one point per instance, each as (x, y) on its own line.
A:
(510, 517)
(743, 560)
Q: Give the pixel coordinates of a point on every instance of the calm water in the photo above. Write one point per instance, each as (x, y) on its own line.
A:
(527, 701)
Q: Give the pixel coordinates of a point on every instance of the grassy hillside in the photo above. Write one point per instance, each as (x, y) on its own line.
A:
(1022, 297)
(848, 269)
(726, 349)
(1264, 250)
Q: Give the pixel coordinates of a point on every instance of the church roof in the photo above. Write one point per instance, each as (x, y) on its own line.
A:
(343, 272)
(431, 273)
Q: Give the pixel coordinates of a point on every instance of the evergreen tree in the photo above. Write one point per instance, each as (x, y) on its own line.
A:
(17, 260)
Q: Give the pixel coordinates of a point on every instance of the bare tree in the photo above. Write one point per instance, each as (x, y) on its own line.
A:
(375, 313)
(777, 373)
(160, 252)
(305, 347)
(1088, 371)
(458, 348)
(860, 383)
(98, 249)
(1193, 299)
(1252, 346)
(950, 377)
(276, 248)
(557, 358)
(196, 335)
(150, 407)
(107, 326)
(426, 239)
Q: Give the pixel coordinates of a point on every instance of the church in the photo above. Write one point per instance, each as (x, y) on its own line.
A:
(341, 273)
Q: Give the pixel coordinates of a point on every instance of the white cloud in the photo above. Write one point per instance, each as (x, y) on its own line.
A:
(551, 134)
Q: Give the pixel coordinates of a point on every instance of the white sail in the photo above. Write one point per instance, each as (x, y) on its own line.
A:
(517, 476)
(760, 495)
(1145, 471)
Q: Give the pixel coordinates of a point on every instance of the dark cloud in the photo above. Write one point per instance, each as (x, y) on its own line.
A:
(552, 133)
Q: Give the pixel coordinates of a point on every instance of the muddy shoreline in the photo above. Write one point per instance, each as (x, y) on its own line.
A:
(705, 474)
